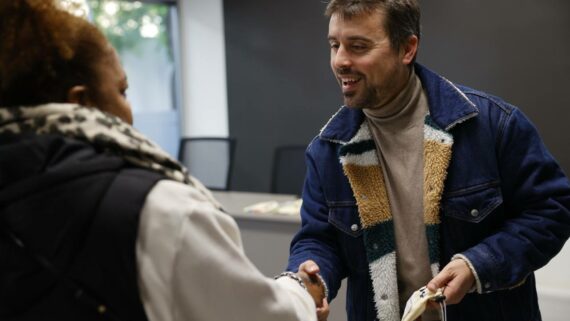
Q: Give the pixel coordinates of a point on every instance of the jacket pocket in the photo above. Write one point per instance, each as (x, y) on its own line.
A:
(349, 235)
(345, 219)
(473, 205)
(469, 216)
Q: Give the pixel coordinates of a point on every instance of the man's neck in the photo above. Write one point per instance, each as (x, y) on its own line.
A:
(398, 103)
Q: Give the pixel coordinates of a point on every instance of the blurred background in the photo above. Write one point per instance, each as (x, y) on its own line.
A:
(258, 71)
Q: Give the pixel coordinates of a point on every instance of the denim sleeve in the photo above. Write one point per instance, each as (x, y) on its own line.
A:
(536, 195)
(316, 240)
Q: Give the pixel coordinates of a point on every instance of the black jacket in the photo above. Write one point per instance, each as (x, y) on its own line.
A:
(77, 209)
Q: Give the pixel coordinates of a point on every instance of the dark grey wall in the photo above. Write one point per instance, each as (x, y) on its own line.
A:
(281, 91)
(515, 49)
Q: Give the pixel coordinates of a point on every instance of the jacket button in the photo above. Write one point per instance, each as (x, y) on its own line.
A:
(375, 246)
(487, 285)
(354, 227)
(474, 212)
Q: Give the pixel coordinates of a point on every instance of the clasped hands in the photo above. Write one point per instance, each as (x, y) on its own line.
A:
(309, 273)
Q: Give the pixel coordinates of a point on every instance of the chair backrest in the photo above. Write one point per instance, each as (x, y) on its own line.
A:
(288, 169)
(209, 159)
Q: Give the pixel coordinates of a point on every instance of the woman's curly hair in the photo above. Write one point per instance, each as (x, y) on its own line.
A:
(44, 51)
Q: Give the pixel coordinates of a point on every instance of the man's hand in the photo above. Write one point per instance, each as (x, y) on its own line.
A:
(308, 271)
(456, 279)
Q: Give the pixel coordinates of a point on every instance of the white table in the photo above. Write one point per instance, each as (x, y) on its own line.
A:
(234, 203)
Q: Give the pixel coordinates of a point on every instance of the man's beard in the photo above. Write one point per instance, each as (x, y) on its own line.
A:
(370, 98)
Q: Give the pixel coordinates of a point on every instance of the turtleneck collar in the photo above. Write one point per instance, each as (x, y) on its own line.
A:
(402, 106)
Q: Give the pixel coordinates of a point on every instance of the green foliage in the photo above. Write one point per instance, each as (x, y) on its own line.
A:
(125, 22)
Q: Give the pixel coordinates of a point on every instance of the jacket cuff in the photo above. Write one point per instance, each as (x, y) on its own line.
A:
(477, 286)
(486, 267)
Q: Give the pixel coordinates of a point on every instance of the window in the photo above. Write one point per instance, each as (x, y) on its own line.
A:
(142, 33)
(145, 34)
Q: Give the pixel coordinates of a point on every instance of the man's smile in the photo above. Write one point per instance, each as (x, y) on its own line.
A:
(349, 83)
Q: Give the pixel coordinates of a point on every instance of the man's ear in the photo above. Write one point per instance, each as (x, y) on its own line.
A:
(410, 49)
(78, 95)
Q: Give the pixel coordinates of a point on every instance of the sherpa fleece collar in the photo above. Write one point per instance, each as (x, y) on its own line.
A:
(362, 167)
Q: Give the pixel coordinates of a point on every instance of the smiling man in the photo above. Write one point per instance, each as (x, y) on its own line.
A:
(418, 181)
(370, 72)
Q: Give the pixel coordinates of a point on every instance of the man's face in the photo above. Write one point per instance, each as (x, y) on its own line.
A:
(110, 94)
(370, 72)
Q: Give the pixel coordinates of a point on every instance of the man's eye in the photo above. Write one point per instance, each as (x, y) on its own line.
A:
(358, 47)
(334, 45)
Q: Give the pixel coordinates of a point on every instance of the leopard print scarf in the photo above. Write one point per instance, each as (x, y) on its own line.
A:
(104, 131)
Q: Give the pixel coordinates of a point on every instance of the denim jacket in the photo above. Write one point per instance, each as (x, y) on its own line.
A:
(505, 205)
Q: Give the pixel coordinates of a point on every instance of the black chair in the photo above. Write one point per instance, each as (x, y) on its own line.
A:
(288, 169)
(209, 159)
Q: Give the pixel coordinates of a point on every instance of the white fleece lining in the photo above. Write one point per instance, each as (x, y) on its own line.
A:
(385, 286)
(432, 134)
(368, 158)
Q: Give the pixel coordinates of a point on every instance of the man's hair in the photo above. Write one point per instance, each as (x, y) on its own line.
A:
(402, 16)
(45, 51)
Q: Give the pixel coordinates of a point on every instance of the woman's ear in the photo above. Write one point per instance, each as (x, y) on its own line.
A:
(78, 95)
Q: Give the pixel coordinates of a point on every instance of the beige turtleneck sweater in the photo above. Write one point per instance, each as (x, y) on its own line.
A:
(397, 129)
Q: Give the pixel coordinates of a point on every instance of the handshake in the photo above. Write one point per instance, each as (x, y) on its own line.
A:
(315, 286)
(308, 276)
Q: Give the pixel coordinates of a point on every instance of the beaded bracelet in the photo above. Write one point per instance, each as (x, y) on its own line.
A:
(292, 276)
(324, 285)
(295, 277)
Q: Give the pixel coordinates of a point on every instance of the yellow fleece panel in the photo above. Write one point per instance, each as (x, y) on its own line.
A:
(370, 192)
(436, 161)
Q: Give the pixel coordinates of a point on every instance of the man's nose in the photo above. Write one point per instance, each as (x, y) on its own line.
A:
(341, 59)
